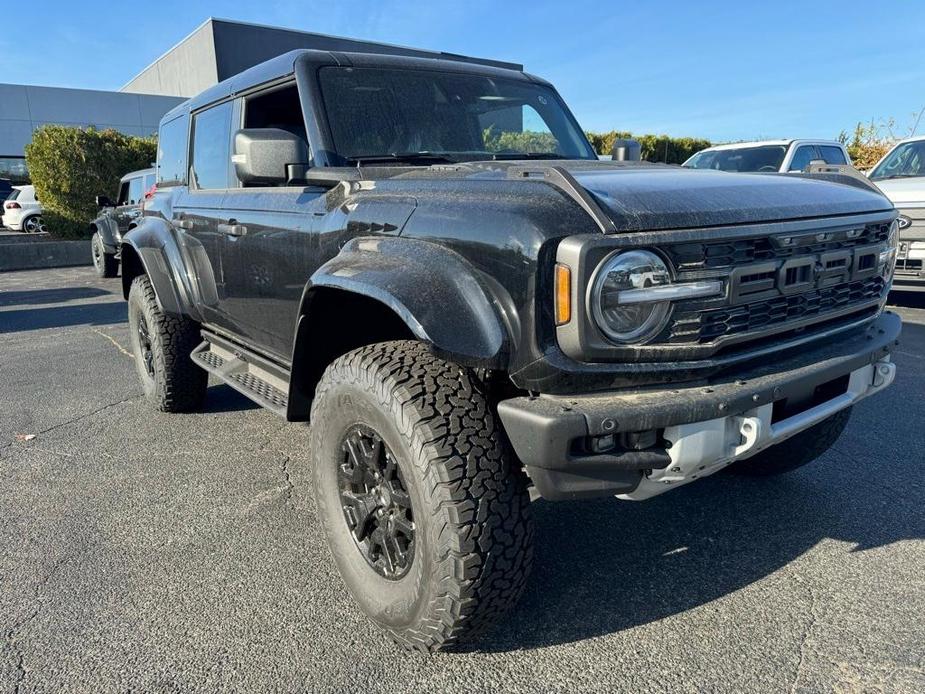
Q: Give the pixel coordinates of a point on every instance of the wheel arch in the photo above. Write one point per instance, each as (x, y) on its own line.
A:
(151, 250)
(381, 289)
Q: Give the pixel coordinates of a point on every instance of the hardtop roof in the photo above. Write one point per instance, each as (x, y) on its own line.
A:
(285, 65)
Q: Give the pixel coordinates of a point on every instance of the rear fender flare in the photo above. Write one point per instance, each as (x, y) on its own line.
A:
(106, 227)
(151, 249)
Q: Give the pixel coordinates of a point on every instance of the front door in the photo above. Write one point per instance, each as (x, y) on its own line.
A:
(268, 253)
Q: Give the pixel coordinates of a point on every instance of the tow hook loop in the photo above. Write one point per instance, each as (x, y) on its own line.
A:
(750, 430)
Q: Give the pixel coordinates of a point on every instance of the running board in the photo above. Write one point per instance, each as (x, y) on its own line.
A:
(247, 373)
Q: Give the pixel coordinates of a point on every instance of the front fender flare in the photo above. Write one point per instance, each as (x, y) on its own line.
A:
(442, 298)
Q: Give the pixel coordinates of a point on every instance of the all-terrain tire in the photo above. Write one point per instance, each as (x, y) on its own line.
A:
(796, 451)
(162, 345)
(473, 530)
(104, 263)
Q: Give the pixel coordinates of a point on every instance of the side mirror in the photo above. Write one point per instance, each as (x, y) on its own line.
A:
(268, 156)
(626, 150)
(103, 201)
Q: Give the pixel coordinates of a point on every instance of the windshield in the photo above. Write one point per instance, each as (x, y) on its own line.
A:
(425, 116)
(905, 161)
(763, 158)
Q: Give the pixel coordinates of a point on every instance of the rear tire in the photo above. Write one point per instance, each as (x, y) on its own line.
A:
(795, 452)
(105, 263)
(465, 556)
(162, 345)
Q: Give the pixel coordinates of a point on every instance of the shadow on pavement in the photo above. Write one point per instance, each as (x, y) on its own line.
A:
(605, 566)
(907, 299)
(224, 398)
(20, 320)
(51, 296)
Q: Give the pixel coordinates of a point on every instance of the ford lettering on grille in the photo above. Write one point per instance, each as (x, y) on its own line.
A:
(802, 273)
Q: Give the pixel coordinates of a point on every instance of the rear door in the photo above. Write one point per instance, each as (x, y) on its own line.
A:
(198, 209)
(127, 206)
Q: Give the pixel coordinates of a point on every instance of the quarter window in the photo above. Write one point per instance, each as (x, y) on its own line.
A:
(211, 165)
(171, 152)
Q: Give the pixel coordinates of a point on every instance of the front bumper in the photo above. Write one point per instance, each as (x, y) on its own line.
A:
(550, 433)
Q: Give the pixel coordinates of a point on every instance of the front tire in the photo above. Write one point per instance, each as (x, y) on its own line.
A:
(407, 460)
(162, 345)
(105, 263)
(797, 451)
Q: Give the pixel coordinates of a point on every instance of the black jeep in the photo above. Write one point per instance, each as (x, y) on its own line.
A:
(116, 218)
(424, 259)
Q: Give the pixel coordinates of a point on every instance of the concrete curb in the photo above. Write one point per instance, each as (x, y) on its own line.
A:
(19, 255)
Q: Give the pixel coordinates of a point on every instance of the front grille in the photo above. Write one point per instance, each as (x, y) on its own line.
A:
(703, 327)
(735, 252)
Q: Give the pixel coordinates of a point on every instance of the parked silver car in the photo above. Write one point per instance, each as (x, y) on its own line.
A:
(901, 177)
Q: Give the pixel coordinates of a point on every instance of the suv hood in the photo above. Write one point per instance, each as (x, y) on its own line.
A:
(903, 190)
(663, 197)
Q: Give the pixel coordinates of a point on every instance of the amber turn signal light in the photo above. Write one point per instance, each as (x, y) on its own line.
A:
(563, 294)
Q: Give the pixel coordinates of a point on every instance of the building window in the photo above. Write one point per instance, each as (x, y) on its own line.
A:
(14, 168)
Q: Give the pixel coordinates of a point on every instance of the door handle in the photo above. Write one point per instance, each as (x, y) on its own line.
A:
(232, 228)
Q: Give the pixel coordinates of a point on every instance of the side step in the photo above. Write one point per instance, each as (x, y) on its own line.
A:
(251, 375)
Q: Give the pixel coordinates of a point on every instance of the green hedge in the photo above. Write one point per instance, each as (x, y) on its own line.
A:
(71, 166)
(671, 150)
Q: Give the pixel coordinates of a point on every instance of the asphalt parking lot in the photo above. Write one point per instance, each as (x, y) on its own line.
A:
(151, 552)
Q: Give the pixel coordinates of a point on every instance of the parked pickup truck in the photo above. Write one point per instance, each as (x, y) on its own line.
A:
(770, 156)
(425, 260)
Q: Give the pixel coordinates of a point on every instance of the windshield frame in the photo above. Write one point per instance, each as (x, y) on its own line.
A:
(335, 158)
(875, 173)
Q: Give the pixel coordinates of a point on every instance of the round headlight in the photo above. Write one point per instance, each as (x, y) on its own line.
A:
(629, 322)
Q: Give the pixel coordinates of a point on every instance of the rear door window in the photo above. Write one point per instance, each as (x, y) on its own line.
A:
(832, 154)
(802, 157)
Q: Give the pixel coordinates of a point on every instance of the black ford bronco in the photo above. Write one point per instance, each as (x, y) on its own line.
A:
(117, 218)
(425, 260)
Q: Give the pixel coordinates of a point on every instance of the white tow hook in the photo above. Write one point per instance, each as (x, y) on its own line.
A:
(750, 429)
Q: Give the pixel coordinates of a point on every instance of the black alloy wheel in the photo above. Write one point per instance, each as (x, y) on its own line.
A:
(376, 503)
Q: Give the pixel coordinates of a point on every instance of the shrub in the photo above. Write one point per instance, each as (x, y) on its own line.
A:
(671, 150)
(866, 144)
(71, 166)
(526, 141)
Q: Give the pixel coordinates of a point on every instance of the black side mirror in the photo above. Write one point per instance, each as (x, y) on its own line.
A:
(103, 201)
(267, 156)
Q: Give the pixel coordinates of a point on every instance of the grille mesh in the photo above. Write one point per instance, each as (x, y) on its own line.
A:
(708, 326)
(735, 252)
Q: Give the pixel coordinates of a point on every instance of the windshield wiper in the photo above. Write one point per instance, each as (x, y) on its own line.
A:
(404, 157)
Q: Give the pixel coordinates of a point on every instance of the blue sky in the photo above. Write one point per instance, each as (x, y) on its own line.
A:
(721, 70)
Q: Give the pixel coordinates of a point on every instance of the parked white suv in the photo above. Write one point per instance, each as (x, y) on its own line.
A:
(22, 211)
(771, 156)
(901, 177)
